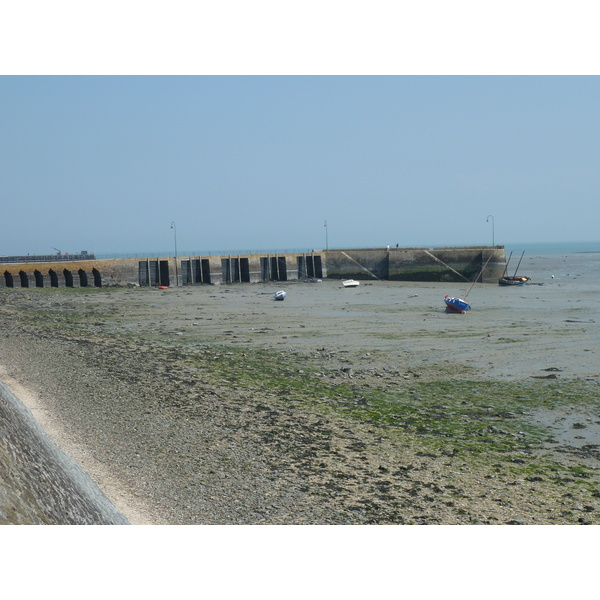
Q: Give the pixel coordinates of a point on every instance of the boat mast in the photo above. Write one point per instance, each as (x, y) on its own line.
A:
(519, 264)
(506, 265)
(479, 274)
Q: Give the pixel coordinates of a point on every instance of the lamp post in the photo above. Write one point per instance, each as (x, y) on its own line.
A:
(487, 221)
(326, 238)
(174, 228)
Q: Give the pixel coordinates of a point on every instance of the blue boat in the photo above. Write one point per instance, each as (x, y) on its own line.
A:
(456, 305)
(280, 295)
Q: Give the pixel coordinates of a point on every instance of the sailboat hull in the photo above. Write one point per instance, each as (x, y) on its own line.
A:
(456, 305)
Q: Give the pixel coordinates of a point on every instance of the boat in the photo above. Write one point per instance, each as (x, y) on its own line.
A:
(456, 305)
(514, 280)
(280, 295)
(348, 283)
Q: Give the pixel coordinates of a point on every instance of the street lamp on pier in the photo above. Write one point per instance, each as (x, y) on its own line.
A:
(326, 238)
(487, 221)
(174, 228)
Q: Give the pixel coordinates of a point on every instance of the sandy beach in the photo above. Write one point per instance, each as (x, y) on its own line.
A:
(218, 405)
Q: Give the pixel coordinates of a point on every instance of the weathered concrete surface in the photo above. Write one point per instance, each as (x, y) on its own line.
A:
(418, 264)
(39, 484)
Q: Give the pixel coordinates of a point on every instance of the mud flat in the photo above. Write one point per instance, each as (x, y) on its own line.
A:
(218, 405)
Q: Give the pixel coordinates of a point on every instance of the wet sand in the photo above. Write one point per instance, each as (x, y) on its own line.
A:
(126, 382)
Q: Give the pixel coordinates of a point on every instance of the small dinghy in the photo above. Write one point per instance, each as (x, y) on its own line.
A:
(349, 283)
(515, 280)
(280, 295)
(456, 305)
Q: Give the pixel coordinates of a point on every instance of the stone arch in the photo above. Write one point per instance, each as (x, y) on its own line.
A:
(24, 279)
(68, 278)
(83, 278)
(53, 278)
(39, 279)
(97, 277)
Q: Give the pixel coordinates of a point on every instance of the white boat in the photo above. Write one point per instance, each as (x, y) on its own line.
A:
(280, 295)
(347, 283)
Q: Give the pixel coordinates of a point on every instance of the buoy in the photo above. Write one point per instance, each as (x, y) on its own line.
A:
(163, 287)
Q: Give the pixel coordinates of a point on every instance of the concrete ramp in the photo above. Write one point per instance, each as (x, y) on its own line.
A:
(39, 484)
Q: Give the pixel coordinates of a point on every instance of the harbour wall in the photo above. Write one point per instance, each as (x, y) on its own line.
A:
(396, 264)
(419, 264)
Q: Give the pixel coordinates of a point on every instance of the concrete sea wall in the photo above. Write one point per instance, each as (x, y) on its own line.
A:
(39, 484)
(419, 264)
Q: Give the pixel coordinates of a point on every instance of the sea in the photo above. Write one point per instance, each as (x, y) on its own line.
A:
(552, 248)
(559, 262)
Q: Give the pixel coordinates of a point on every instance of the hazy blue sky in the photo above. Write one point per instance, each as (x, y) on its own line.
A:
(261, 162)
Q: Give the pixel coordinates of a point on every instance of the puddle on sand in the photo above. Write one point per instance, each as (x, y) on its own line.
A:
(578, 429)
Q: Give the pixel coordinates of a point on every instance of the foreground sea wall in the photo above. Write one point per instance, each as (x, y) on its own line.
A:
(39, 484)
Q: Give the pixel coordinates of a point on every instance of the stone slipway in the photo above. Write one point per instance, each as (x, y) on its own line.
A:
(39, 484)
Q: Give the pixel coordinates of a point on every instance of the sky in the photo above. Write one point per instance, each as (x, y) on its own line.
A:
(249, 129)
(108, 163)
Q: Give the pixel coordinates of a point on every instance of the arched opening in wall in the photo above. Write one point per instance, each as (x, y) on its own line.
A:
(164, 273)
(83, 280)
(226, 270)
(318, 266)
(196, 273)
(68, 277)
(8, 279)
(205, 270)
(244, 270)
(270, 268)
(53, 278)
(39, 279)
(282, 268)
(274, 275)
(143, 273)
(97, 278)
(278, 268)
(154, 280)
(24, 279)
(265, 271)
(301, 266)
(199, 270)
(234, 269)
(309, 266)
(186, 272)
